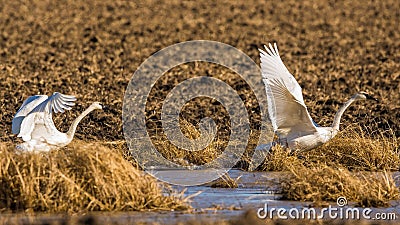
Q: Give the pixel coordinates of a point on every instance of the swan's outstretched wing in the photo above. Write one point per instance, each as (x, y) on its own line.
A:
(36, 111)
(286, 107)
(272, 67)
(27, 126)
(29, 104)
(57, 103)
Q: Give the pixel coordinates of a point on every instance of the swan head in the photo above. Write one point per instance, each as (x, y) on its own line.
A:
(363, 96)
(96, 105)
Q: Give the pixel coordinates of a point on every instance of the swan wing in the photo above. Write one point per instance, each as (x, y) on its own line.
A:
(272, 67)
(288, 115)
(27, 126)
(27, 106)
(57, 102)
(287, 110)
(44, 129)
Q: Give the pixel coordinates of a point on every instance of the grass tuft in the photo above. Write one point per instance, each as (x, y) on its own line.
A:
(354, 164)
(326, 183)
(358, 149)
(82, 177)
(277, 159)
(225, 181)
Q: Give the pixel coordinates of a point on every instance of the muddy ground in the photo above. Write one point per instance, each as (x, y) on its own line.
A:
(91, 49)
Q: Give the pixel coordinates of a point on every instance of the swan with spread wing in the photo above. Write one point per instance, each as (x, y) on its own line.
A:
(33, 121)
(287, 111)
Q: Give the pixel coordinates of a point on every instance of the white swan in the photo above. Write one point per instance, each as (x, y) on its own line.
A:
(33, 122)
(288, 114)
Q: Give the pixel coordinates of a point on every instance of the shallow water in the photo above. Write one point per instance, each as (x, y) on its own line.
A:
(255, 191)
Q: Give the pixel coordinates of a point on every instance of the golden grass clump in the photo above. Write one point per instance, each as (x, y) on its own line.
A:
(81, 177)
(225, 181)
(327, 183)
(277, 159)
(354, 164)
(195, 155)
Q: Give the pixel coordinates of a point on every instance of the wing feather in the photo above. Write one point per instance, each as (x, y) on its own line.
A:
(272, 67)
(287, 113)
(57, 102)
(27, 106)
(58, 107)
(27, 126)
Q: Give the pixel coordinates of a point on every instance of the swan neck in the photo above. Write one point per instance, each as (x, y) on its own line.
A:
(338, 116)
(72, 128)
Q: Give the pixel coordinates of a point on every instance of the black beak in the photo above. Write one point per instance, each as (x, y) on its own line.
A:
(369, 97)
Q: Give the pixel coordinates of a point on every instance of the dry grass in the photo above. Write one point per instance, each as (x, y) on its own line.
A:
(333, 170)
(225, 181)
(194, 155)
(359, 149)
(82, 177)
(326, 183)
(277, 159)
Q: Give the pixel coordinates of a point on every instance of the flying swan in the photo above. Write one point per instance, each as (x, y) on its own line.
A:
(288, 114)
(33, 121)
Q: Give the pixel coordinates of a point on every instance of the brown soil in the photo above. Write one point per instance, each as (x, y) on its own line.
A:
(91, 49)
